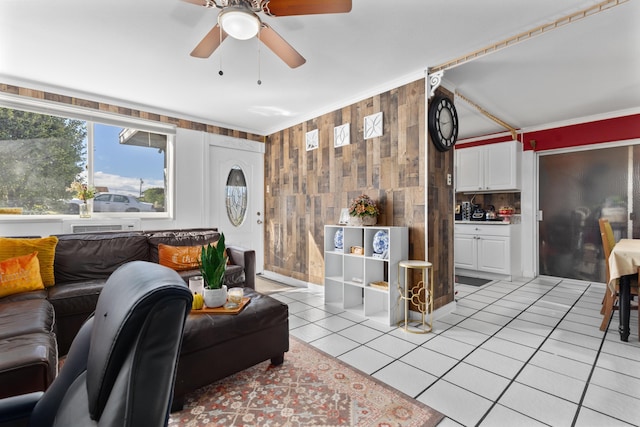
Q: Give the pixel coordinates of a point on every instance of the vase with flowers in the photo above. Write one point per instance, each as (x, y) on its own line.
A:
(84, 193)
(363, 211)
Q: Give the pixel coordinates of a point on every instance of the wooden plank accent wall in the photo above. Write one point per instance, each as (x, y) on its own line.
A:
(305, 190)
(100, 106)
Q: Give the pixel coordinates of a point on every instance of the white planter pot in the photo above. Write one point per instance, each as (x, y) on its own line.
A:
(215, 297)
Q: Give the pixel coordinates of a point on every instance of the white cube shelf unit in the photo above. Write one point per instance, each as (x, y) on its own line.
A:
(347, 276)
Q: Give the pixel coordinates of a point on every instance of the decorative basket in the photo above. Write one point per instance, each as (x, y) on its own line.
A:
(359, 221)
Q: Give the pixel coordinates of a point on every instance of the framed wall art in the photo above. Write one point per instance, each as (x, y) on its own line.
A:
(373, 125)
(341, 135)
(312, 140)
(344, 216)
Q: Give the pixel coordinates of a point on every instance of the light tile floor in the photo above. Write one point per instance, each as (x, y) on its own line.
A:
(521, 353)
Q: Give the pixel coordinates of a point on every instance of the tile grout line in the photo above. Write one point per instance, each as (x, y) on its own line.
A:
(555, 287)
(593, 368)
(492, 335)
(450, 326)
(511, 380)
(526, 363)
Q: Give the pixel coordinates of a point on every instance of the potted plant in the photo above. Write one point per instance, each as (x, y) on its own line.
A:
(363, 211)
(213, 264)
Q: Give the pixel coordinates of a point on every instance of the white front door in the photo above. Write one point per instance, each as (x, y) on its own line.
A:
(236, 212)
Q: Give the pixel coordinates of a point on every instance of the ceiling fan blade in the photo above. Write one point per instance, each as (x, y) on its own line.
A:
(305, 7)
(209, 43)
(280, 47)
(205, 3)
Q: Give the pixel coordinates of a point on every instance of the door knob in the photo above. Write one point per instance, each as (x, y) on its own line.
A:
(259, 221)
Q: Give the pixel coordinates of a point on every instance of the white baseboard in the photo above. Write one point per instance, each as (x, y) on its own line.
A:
(287, 280)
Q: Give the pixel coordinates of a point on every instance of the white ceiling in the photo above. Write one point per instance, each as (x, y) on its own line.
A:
(135, 53)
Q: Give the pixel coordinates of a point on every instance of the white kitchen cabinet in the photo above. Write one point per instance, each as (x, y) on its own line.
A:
(492, 167)
(486, 249)
(466, 251)
(469, 169)
(348, 276)
(494, 254)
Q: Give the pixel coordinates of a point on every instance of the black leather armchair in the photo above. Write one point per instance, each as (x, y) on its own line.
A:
(121, 367)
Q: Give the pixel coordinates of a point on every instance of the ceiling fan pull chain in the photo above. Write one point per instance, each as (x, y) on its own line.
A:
(259, 42)
(220, 73)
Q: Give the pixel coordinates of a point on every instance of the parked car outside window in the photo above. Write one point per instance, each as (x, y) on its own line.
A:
(110, 202)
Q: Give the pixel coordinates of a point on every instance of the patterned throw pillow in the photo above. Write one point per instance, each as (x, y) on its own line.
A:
(179, 257)
(183, 257)
(20, 274)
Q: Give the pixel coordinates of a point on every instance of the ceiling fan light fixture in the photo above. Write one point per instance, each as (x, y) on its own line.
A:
(239, 23)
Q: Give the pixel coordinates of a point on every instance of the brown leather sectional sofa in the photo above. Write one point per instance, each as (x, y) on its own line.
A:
(37, 327)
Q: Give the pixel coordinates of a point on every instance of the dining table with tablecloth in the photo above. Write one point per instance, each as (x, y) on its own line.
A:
(624, 262)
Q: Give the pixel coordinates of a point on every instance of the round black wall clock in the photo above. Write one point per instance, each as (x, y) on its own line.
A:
(443, 123)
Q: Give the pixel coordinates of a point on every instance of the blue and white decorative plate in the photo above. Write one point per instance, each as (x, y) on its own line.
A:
(381, 242)
(338, 239)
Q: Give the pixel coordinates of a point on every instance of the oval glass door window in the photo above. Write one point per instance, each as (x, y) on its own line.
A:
(236, 196)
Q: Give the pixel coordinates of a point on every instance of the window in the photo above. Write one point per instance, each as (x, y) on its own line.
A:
(236, 196)
(42, 153)
(131, 165)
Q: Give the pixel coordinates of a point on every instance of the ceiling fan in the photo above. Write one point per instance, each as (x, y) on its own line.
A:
(239, 19)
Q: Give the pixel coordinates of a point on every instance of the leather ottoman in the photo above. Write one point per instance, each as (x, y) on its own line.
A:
(215, 346)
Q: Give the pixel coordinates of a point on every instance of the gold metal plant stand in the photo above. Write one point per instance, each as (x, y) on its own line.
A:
(421, 295)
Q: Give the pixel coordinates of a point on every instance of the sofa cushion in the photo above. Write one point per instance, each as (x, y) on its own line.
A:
(25, 317)
(73, 303)
(234, 276)
(29, 363)
(188, 237)
(20, 274)
(81, 257)
(12, 247)
(40, 294)
(76, 297)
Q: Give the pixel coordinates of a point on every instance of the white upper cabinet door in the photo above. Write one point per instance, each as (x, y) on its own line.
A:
(492, 167)
(469, 169)
(501, 166)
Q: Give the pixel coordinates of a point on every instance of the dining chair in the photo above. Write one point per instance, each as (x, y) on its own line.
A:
(609, 301)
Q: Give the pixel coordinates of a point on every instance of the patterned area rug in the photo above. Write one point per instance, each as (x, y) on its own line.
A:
(310, 388)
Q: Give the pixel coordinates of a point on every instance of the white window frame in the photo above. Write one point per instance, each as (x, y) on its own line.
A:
(51, 108)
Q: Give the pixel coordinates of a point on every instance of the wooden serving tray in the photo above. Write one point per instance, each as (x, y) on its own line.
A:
(222, 310)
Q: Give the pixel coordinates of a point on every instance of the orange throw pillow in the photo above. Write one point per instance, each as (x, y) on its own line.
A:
(20, 274)
(179, 257)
